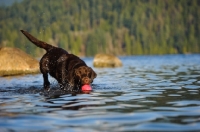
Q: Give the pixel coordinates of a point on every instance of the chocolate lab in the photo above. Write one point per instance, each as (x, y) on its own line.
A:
(69, 70)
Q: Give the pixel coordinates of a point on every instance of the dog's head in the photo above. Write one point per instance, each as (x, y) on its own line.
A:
(84, 75)
(75, 77)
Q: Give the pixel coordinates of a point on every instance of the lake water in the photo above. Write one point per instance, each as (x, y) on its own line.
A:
(149, 93)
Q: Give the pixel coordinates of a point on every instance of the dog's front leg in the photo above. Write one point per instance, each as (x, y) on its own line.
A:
(67, 85)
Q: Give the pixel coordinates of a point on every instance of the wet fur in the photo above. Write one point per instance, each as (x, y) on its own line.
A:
(69, 70)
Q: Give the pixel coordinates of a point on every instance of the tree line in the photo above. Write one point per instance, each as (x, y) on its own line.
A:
(120, 27)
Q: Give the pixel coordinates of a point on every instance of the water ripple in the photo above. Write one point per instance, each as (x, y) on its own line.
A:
(149, 93)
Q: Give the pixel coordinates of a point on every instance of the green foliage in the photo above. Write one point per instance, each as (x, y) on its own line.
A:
(121, 27)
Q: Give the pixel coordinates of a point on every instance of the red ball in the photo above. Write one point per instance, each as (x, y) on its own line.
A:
(86, 88)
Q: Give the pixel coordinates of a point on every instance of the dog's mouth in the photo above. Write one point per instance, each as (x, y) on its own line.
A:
(86, 88)
(81, 85)
(85, 81)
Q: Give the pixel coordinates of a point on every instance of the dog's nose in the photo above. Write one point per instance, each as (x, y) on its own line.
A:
(86, 80)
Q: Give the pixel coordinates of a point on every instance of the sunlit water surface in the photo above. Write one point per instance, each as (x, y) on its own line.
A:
(149, 93)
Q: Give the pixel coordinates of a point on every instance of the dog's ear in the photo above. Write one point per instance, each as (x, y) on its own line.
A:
(78, 72)
(93, 73)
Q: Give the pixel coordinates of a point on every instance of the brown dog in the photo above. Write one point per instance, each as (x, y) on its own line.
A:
(69, 70)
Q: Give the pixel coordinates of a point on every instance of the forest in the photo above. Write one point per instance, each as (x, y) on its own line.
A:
(88, 27)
